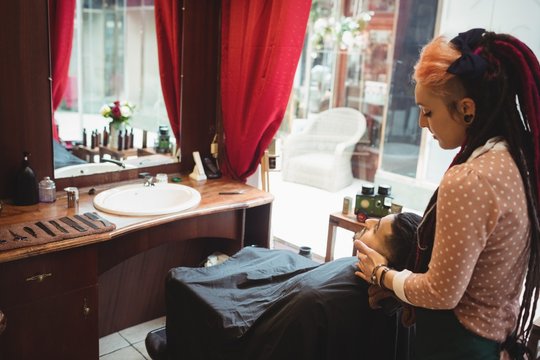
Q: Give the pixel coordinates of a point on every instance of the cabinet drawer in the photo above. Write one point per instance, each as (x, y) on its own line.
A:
(40, 276)
(59, 327)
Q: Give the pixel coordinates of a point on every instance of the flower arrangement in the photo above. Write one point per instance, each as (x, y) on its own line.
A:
(347, 33)
(119, 112)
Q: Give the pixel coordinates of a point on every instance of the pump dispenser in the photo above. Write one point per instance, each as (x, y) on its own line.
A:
(26, 187)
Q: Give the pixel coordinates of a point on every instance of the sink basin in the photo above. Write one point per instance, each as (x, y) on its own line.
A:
(88, 169)
(140, 200)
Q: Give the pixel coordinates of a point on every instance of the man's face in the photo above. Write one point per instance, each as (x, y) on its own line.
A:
(375, 234)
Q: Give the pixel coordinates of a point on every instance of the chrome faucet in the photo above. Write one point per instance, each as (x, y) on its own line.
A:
(117, 162)
(149, 181)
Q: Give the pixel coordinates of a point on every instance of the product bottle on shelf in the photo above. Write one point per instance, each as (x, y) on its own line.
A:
(105, 137)
(84, 142)
(120, 140)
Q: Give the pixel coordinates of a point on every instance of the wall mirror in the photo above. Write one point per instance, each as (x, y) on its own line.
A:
(113, 58)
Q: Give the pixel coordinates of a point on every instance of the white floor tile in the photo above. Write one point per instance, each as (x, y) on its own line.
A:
(138, 332)
(141, 347)
(110, 343)
(127, 353)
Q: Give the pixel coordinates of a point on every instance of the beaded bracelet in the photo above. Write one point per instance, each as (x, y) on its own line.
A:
(374, 274)
(381, 279)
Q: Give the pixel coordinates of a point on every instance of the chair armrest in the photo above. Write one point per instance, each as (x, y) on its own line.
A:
(344, 146)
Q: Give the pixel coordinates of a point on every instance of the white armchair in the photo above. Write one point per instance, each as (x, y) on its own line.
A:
(320, 155)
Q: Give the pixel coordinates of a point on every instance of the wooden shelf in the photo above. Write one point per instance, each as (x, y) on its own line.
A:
(117, 154)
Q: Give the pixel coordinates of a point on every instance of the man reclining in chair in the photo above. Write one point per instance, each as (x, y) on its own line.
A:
(274, 304)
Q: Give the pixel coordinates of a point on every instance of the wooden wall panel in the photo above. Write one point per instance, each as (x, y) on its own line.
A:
(200, 77)
(25, 90)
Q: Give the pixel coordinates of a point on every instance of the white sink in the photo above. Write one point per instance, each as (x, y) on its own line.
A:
(140, 200)
(88, 169)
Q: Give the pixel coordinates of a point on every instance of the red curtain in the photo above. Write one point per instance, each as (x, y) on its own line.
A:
(169, 40)
(61, 20)
(261, 43)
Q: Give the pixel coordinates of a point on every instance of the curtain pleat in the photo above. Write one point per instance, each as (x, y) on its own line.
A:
(261, 44)
(61, 20)
(168, 15)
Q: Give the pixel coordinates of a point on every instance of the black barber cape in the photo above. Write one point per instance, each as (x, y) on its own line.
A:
(275, 304)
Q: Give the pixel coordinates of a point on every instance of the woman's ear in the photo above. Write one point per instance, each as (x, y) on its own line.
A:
(467, 109)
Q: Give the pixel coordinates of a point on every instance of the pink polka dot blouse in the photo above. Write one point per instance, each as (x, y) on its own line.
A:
(480, 252)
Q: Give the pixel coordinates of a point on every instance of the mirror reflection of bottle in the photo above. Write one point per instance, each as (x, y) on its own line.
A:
(163, 145)
(98, 138)
(120, 140)
(126, 140)
(93, 140)
(105, 137)
(84, 142)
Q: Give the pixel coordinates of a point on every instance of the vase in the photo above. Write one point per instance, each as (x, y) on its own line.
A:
(115, 130)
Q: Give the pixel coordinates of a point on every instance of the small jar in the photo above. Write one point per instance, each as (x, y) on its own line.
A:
(47, 190)
(305, 251)
(161, 178)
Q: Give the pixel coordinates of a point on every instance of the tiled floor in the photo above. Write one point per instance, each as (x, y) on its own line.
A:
(128, 344)
(299, 218)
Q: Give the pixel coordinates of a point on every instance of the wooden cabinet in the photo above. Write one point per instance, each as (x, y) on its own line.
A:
(52, 300)
(59, 298)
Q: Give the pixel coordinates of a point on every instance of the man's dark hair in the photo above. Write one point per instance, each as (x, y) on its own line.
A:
(403, 238)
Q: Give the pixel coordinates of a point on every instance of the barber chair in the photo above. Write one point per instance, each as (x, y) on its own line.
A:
(241, 309)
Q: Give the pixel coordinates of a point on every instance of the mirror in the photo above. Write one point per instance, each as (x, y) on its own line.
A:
(113, 58)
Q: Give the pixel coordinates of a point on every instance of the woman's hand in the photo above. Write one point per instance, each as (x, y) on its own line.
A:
(368, 260)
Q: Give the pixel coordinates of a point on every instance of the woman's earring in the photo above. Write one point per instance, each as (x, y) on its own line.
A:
(468, 119)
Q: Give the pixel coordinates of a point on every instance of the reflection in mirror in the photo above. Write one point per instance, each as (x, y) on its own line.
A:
(113, 58)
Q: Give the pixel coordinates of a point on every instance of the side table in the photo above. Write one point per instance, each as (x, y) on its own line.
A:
(336, 220)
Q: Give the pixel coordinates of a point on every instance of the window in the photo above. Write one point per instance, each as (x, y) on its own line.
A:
(345, 63)
(360, 54)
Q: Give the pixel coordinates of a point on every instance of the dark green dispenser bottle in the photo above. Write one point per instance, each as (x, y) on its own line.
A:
(26, 187)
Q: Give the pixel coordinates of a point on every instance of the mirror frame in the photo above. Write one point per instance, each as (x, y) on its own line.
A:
(25, 104)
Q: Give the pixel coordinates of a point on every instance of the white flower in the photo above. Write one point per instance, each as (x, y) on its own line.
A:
(125, 110)
(320, 25)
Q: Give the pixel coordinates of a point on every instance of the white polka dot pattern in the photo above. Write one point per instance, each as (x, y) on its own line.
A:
(480, 251)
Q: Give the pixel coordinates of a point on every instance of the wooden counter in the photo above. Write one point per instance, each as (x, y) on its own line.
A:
(62, 296)
(211, 203)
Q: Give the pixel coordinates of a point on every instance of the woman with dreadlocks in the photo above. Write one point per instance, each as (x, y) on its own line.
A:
(478, 246)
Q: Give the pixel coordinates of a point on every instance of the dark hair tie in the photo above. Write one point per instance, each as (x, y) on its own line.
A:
(468, 64)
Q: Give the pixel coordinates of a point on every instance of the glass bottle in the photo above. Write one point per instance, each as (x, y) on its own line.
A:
(26, 189)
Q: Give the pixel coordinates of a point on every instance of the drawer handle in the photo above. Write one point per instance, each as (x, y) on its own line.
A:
(39, 278)
(3, 322)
